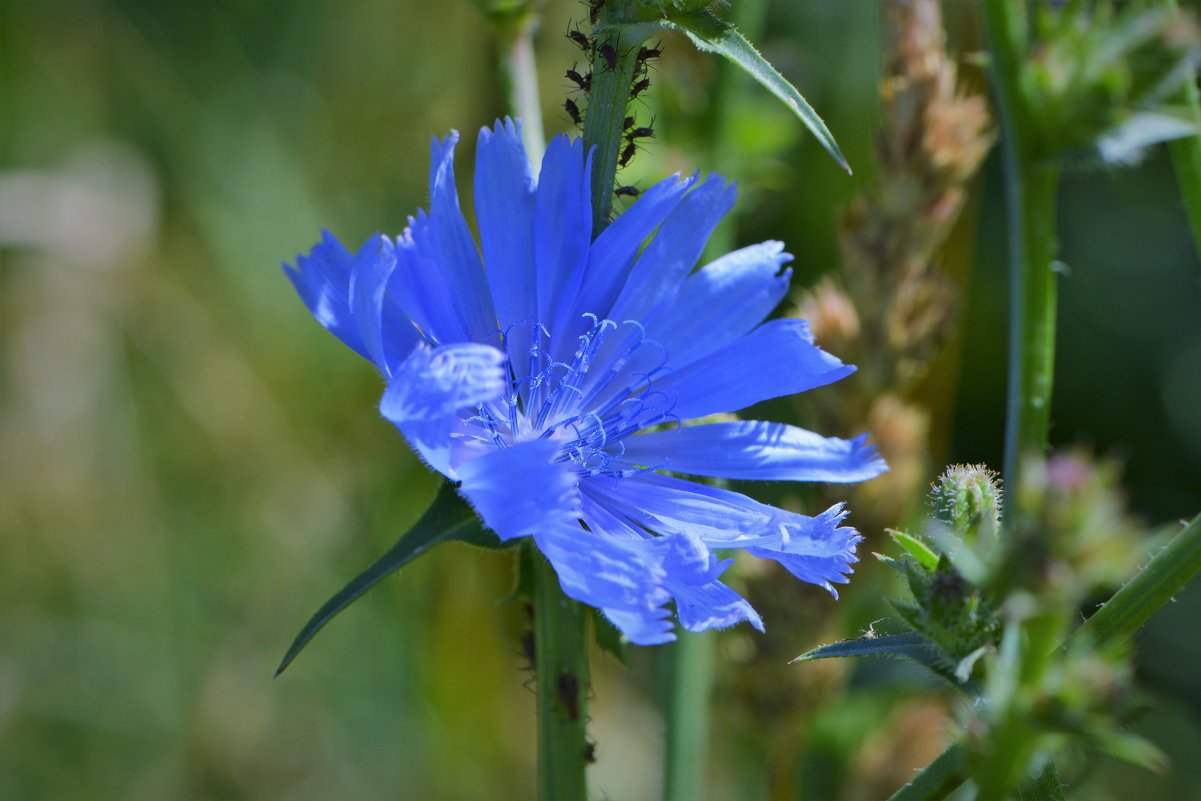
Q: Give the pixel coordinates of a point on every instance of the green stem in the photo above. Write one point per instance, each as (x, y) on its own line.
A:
(686, 696)
(519, 78)
(937, 780)
(1030, 188)
(604, 121)
(561, 667)
(1186, 152)
(1155, 585)
(1047, 787)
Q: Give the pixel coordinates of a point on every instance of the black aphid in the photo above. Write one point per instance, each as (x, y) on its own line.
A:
(573, 111)
(609, 55)
(627, 154)
(583, 81)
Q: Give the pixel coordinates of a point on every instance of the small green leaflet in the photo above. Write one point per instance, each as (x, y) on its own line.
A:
(447, 518)
(916, 548)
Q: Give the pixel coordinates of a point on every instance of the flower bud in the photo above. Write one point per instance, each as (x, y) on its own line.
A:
(968, 499)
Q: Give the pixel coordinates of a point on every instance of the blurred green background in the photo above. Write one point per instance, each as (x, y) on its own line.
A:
(189, 465)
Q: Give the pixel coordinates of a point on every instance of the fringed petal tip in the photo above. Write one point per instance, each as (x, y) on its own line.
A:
(322, 278)
(505, 126)
(817, 549)
(867, 453)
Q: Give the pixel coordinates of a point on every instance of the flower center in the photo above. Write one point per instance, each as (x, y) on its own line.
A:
(589, 405)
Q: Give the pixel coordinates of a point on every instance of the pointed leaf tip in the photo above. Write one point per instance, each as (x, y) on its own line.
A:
(447, 518)
(712, 35)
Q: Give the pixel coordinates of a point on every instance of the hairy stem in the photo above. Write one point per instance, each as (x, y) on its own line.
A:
(615, 56)
(1154, 586)
(561, 667)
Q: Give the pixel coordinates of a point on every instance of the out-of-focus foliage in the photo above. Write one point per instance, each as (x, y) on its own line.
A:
(188, 463)
(1099, 78)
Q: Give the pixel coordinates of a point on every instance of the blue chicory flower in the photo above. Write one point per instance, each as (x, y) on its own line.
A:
(550, 374)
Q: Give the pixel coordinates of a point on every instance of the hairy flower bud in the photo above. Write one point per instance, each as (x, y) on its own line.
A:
(968, 499)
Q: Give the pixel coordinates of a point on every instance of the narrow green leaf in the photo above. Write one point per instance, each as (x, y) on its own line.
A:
(447, 518)
(1134, 750)
(910, 645)
(1165, 575)
(712, 35)
(916, 548)
(937, 780)
(894, 645)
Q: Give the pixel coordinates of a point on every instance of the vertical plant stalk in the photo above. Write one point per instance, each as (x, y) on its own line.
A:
(1186, 152)
(519, 78)
(686, 714)
(561, 668)
(1030, 191)
(604, 121)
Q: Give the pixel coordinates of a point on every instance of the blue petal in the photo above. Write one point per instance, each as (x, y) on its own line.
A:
(814, 549)
(721, 302)
(432, 385)
(690, 570)
(453, 248)
(702, 601)
(519, 491)
(562, 234)
(384, 330)
(504, 209)
(674, 251)
(777, 358)
(620, 577)
(422, 287)
(756, 451)
(613, 251)
(322, 279)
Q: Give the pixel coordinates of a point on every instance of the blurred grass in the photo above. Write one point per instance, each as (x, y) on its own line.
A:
(189, 466)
